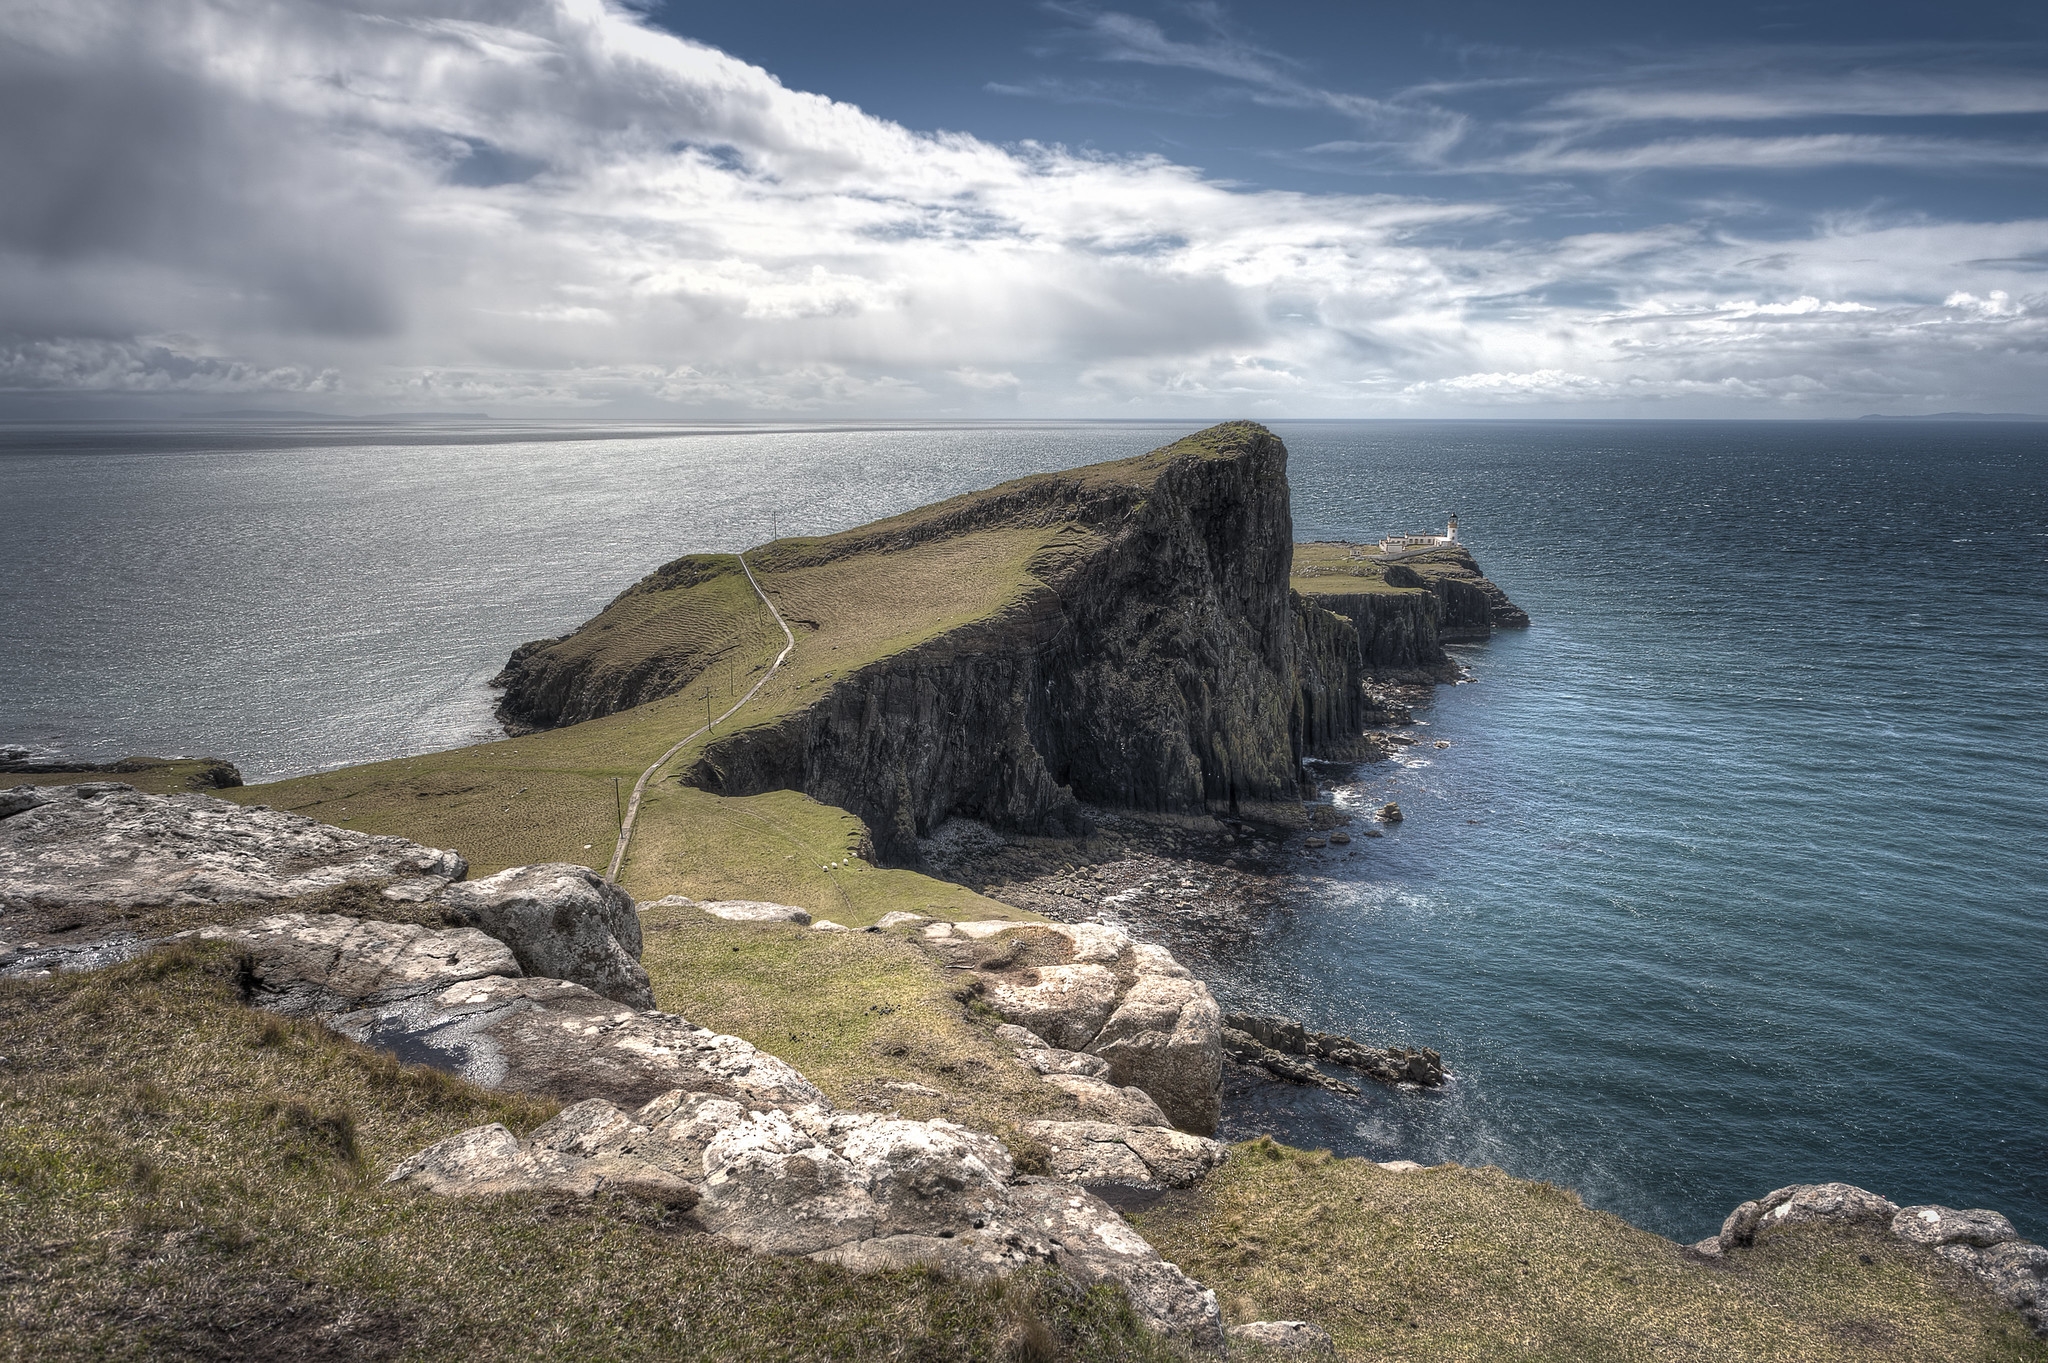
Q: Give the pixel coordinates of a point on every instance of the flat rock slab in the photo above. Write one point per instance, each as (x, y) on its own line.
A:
(858, 1189)
(101, 842)
(1089, 988)
(1285, 1336)
(1126, 1164)
(754, 911)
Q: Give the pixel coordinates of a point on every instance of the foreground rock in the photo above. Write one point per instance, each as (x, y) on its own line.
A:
(1981, 1243)
(66, 851)
(857, 1189)
(1286, 1336)
(91, 873)
(1089, 989)
(455, 999)
(1268, 1042)
(691, 1118)
(563, 921)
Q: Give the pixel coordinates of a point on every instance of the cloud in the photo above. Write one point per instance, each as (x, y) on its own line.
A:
(550, 205)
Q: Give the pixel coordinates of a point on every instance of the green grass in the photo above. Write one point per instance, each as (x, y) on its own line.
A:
(1469, 1264)
(853, 1010)
(182, 1177)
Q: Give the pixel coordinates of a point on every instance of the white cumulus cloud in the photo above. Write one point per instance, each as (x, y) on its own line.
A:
(551, 205)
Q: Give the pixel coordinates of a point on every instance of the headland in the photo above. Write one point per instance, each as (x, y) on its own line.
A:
(854, 1052)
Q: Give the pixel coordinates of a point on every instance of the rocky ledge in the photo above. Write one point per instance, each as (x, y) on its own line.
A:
(93, 873)
(1283, 1047)
(1982, 1244)
(736, 1139)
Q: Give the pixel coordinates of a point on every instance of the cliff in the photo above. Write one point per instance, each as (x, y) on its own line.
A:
(1142, 649)
(1405, 611)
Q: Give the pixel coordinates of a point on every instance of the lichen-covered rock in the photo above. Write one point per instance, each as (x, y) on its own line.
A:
(1097, 1245)
(1802, 1204)
(1117, 1159)
(102, 842)
(1103, 1101)
(305, 963)
(1287, 1336)
(1065, 1004)
(563, 921)
(1093, 989)
(1935, 1225)
(858, 1189)
(754, 911)
(1165, 1037)
(556, 1038)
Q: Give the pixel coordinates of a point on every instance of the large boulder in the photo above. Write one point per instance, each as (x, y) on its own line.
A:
(1126, 1164)
(101, 843)
(1804, 1204)
(563, 921)
(1091, 989)
(1981, 1243)
(858, 1189)
(456, 999)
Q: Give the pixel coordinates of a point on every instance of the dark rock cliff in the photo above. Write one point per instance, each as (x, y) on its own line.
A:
(1405, 612)
(1154, 668)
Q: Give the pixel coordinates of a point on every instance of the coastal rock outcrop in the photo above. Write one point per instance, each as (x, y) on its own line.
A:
(67, 852)
(1152, 658)
(91, 873)
(563, 921)
(1270, 1043)
(1405, 610)
(456, 999)
(1092, 989)
(1982, 1243)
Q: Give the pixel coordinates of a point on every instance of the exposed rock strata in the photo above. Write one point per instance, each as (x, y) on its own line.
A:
(1269, 1042)
(1983, 1244)
(98, 843)
(1155, 661)
(86, 869)
(1092, 989)
(563, 921)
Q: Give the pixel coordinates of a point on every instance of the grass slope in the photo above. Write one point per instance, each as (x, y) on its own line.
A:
(1470, 1264)
(183, 1177)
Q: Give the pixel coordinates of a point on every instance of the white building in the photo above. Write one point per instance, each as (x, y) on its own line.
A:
(1407, 544)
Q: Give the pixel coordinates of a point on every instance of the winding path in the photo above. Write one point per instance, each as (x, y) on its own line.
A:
(640, 787)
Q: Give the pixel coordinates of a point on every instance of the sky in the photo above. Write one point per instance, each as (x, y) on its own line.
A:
(791, 208)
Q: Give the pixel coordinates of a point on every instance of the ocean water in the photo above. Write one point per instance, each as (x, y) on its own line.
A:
(1732, 876)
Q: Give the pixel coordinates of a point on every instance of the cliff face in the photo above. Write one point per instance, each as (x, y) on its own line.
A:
(1405, 611)
(1152, 665)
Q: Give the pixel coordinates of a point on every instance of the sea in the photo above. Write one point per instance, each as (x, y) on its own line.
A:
(1734, 873)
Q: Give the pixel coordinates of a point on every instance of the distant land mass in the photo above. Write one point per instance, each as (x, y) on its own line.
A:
(1956, 416)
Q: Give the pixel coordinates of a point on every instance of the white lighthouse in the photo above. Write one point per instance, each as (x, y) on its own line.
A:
(1451, 530)
(1410, 544)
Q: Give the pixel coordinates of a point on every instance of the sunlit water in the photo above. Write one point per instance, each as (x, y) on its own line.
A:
(1732, 876)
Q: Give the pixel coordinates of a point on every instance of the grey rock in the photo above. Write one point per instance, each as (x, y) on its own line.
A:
(1283, 1037)
(305, 964)
(1166, 1038)
(1709, 1248)
(31, 959)
(1103, 1101)
(101, 842)
(1802, 1204)
(2016, 1272)
(1288, 1336)
(897, 917)
(754, 911)
(1934, 1225)
(562, 921)
(857, 1189)
(1131, 1004)
(670, 901)
(1094, 1244)
(827, 925)
(1247, 1049)
(557, 1038)
(1115, 1159)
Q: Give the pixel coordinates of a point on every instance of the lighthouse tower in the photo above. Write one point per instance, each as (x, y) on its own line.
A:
(1451, 531)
